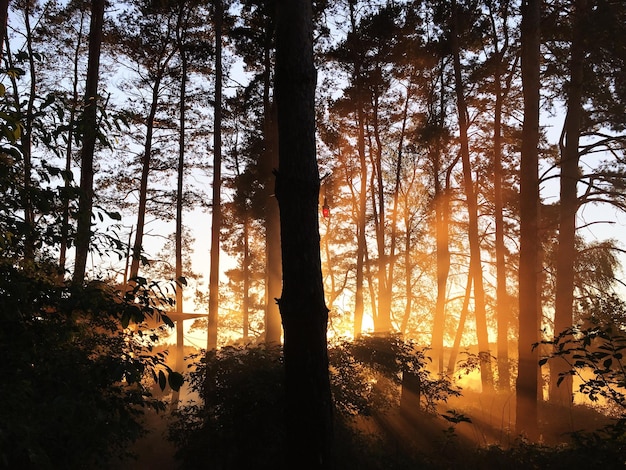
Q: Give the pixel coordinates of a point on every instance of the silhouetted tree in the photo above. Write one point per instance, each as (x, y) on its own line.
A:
(302, 306)
(89, 129)
(529, 313)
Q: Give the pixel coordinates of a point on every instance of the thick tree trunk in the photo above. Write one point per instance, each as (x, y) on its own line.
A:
(529, 310)
(570, 173)
(89, 125)
(268, 163)
(302, 307)
(216, 207)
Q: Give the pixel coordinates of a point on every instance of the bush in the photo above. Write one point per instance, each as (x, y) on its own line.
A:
(74, 383)
(238, 420)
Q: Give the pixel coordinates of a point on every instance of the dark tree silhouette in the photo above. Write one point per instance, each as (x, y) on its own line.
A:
(302, 305)
(85, 204)
(529, 311)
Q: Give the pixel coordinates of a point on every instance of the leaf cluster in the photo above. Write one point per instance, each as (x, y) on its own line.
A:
(595, 355)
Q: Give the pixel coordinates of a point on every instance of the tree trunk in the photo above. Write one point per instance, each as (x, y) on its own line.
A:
(143, 184)
(359, 305)
(89, 128)
(273, 329)
(454, 351)
(502, 303)
(570, 173)
(65, 221)
(216, 210)
(302, 307)
(180, 337)
(441, 200)
(4, 16)
(382, 322)
(245, 303)
(529, 311)
(472, 210)
(27, 144)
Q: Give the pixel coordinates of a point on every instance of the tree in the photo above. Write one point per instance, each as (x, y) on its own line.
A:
(302, 306)
(527, 386)
(472, 205)
(89, 128)
(157, 25)
(181, 30)
(216, 210)
(253, 39)
(503, 74)
(568, 201)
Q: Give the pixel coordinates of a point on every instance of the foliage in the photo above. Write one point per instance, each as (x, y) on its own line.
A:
(65, 358)
(368, 373)
(237, 425)
(75, 381)
(595, 355)
(239, 422)
(524, 455)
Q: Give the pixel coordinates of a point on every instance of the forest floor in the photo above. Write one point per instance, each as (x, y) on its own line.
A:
(153, 451)
(492, 423)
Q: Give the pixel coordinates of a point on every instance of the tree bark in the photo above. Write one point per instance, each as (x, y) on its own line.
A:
(570, 174)
(89, 124)
(216, 211)
(302, 306)
(529, 311)
(472, 211)
(502, 303)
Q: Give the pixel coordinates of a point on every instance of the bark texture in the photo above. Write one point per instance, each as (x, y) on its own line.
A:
(529, 312)
(302, 306)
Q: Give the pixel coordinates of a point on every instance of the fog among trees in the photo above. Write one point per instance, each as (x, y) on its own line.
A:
(292, 234)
